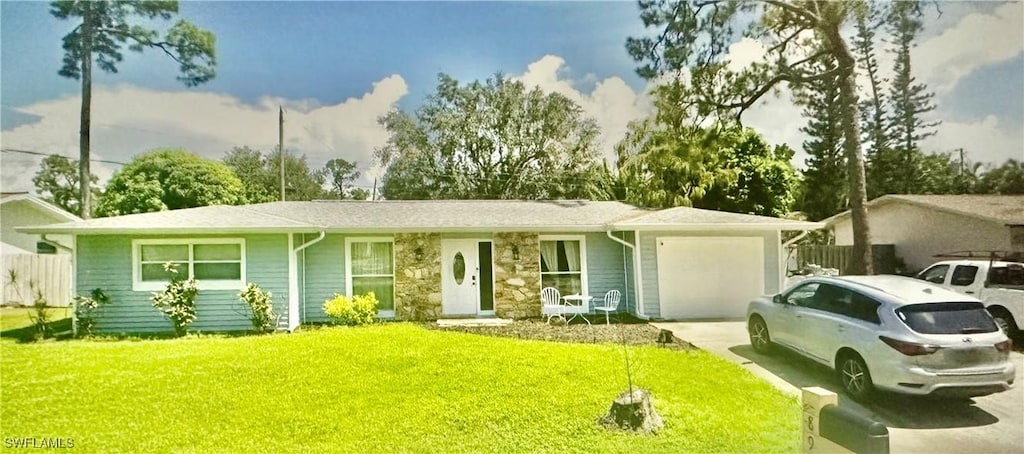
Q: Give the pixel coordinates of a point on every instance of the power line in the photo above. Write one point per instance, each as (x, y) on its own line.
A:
(39, 153)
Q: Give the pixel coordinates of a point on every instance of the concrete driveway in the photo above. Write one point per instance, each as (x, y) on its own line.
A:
(990, 424)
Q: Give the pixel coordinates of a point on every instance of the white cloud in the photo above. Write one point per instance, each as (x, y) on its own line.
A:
(977, 40)
(128, 120)
(612, 102)
(985, 140)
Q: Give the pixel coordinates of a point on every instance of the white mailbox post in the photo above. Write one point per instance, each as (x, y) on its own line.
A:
(813, 400)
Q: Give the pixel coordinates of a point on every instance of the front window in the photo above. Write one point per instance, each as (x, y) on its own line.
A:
(561, 265)
(372, 270)
(213, 263)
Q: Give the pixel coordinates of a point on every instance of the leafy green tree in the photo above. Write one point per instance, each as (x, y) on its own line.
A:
(691, 43)
(169, 180)
(1005, 179)
(261, 175)
(341, 176)
(490, 140)
(725, 168)
(102, 29)
(57, 182)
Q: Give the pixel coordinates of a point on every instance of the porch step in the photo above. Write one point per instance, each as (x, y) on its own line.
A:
(448, 322)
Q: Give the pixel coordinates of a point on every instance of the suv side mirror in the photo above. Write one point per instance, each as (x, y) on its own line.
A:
(778, 299)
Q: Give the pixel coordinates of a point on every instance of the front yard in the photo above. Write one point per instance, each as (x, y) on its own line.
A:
(385, 388)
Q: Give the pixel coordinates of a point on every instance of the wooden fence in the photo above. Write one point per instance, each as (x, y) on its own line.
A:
(839, 257)
(50, 274)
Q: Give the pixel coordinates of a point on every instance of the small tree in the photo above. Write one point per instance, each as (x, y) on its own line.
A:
(178, 300)
(261, 308)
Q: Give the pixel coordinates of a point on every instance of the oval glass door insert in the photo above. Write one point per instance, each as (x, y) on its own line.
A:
(459, 268)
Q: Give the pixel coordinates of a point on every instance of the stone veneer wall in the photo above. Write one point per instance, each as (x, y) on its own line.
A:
(517, 282)
(417, 282)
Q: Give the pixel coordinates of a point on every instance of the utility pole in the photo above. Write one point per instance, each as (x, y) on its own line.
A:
(280, 145)
(373, 195)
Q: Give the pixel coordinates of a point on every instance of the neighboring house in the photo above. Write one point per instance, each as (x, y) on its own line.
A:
(19, 209)
(428, 259)
(921, 226)
(36, 265)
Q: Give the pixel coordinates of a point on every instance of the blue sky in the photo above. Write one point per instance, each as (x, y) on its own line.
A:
(337, 66)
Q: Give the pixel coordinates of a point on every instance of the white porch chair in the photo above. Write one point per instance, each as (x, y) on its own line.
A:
(551, 303)
(610, 304)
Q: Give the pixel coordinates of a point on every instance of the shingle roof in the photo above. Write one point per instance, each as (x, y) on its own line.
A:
(451, 214)
(210, 219)
(1004, 209)
(427, 215)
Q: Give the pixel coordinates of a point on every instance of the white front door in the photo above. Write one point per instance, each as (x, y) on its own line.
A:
(460, 277)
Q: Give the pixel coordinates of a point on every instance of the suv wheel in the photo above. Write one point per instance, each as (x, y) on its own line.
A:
(759, 337)
(855, 377)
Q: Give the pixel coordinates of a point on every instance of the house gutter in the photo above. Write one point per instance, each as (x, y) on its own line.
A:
(293, 277)
(638, 295)
(74, 276)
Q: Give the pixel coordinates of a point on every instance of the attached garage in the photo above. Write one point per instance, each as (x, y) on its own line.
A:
(704, 264)
(709, 277)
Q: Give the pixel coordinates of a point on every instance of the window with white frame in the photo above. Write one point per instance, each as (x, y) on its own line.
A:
(371, 265)
(213, 263)
(563, 264)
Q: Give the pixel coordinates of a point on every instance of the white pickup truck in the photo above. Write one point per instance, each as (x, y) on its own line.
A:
(999, 284)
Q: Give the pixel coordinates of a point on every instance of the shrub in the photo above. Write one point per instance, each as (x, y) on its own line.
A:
(178, 300)
(84, 307)
(261, 308)
(360, 310)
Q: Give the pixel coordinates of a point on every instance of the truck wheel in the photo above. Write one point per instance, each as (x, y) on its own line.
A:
(1006, 323)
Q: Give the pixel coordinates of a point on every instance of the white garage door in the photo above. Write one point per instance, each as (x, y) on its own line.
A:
(709, 277)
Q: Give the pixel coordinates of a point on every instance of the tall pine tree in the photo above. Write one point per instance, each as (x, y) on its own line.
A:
(909, 100)
(822, 192)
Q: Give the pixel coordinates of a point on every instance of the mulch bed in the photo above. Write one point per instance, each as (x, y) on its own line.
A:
(634, 331)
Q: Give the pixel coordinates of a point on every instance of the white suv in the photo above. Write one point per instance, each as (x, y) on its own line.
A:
(887, 332)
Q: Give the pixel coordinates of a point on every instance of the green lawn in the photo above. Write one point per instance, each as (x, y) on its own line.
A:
(392, 388)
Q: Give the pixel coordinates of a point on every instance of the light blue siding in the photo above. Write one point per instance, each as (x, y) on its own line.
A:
(607, 270)
(649, 262)
(105, 262)
(324, 276)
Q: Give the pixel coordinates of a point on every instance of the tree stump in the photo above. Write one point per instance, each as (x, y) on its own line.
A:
(634, 412)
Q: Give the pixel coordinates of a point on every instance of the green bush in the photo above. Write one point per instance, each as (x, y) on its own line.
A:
(178, 300)
(360, 310)
(261, 308)
(84, 307)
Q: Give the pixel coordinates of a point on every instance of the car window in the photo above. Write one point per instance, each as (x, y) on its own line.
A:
(830, 298)
(964, 275)
(864, 308)
(947, 318)
(802, 294)
(935, 274)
